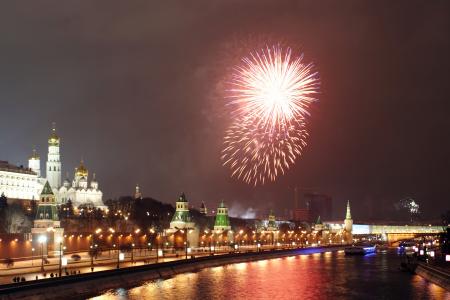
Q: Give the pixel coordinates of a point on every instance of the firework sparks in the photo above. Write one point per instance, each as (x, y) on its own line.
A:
(256, 155)
(270, 96)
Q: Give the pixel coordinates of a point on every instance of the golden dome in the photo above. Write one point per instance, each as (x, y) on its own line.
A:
(34, 155)
(53, 140)
(81, 170)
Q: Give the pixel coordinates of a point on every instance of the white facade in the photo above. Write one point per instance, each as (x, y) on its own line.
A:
(53, 161)
(54, 167)
(18, 183)
(34, 163)
(80, 192)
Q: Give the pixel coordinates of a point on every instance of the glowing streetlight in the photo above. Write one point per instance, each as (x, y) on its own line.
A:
(42, 239)
(60, 240)
(32, 256)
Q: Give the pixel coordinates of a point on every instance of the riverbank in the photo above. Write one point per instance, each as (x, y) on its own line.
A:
(433, 274)
(90, 284)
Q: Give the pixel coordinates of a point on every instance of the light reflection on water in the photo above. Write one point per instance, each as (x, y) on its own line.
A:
(314, 276)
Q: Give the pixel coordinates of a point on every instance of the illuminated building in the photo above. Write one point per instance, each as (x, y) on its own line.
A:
(27, 183)
(17, 182)
(348, 222)
(79, 192)
(46, 223)
(222, 222)
(182, 221)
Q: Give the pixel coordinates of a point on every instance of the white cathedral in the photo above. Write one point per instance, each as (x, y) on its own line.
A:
(27, 184)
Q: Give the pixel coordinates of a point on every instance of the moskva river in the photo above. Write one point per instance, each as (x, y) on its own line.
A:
(330, 275)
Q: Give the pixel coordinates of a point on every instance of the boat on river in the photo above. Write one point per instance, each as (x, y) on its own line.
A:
(361, 249)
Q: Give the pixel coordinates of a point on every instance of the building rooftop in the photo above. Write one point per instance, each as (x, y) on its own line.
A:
(6, 166)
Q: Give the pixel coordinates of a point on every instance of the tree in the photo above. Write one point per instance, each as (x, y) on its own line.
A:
(444, 238)
(94, 252)
(14, 220)
(3, 201)
(33, 207)
(445, 218)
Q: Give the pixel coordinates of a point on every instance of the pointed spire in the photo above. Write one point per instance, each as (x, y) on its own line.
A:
(182, 198)
(47, 190)
(203, 209)
(319, 221)
(348, 215)
(53, 140)
(137, 192)
(222, 204)
(34, 154)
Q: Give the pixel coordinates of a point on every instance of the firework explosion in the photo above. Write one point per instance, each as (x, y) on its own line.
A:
(270, 96)
(273, 88)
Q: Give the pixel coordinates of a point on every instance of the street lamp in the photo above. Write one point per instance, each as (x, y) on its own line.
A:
(60, 240)
(157, 246)
(185, 231)
(42, 239)
(118, 252)
(32, 256)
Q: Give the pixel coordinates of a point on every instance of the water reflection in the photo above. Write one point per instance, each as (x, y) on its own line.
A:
(313, 276)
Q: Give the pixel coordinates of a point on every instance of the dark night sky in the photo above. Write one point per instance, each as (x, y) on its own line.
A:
(135, 89)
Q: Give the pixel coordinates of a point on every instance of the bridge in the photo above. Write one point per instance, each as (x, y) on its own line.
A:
(393, 233)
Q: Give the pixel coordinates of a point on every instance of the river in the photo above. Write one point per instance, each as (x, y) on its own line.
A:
(330, 275)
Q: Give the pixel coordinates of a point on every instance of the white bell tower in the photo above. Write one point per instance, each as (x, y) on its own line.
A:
(53, 160)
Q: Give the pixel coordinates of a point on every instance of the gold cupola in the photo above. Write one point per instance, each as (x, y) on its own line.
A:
(81, 171)
(34, 155)
(53, 139)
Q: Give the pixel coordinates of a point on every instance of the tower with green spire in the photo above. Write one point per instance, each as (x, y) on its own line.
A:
(222, 221)
(182, 217)
(46, 225)
(182, 224)
(318, 225)
(47, 209)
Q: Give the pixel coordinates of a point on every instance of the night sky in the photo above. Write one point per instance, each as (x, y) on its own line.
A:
(136, 90)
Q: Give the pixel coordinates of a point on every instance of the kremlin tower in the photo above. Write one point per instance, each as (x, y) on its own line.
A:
(348, 224)
(53, 161)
